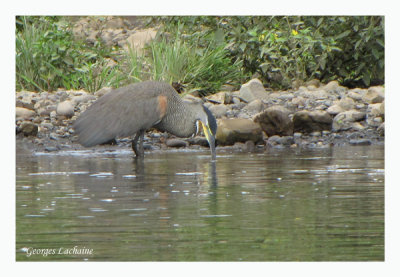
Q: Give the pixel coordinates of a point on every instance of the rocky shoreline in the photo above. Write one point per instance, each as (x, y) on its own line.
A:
(312, 116)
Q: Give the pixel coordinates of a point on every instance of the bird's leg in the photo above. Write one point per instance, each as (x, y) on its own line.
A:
(134, 144)
(141, 148)
(139, 152)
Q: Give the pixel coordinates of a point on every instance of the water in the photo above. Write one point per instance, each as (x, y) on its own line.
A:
(282, 205)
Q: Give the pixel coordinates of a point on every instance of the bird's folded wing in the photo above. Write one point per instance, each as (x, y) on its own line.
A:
(119, 113)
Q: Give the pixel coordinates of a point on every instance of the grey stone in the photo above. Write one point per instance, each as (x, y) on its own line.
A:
(314, 82)
(360, 142)
(25, 103)
(250, 146)
(381, 129)
(314, 95)
(275, 120)
(346, 103)
(355, 95)
(82, 99)
(315, 134)
(65, 108)
(218, 110)
(23, 113)
(252, 90)
(331, 86)
(374, 95)
(310, 121)
(28, 128)
(298, 101)
(297, 135)
(377, 109)
(176, 143)
(237, 130)
(255, 106)
(198, 141)
(357, 126)
(344, 120)
(221, 97)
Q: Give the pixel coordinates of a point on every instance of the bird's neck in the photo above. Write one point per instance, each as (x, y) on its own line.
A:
(180, 119)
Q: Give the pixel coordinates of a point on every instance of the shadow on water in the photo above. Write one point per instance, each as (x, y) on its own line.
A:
(179, 206)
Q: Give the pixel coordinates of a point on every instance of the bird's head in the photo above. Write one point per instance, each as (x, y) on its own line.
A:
(207, 122)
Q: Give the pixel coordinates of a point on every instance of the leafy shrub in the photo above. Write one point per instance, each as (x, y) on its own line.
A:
(283, 49)
(48, 57)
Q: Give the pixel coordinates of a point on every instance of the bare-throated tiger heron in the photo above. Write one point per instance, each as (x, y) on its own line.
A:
(133, 109)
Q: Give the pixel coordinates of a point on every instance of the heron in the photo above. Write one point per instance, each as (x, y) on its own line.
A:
(132, 110)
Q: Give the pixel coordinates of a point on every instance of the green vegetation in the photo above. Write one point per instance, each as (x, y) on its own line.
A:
(283, 49)
(204, 69)
(48, 57)
(205, 52)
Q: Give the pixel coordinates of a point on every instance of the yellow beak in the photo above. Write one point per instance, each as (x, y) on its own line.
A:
(210, 138)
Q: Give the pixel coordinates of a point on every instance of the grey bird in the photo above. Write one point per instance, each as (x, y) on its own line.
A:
(133, 109)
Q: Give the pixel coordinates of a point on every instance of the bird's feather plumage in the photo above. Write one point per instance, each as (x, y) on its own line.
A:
(121, 112)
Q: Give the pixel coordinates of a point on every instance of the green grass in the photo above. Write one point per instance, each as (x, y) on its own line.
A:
(48, 57)
(204, 69)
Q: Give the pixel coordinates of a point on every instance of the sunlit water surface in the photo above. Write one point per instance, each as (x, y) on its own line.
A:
(281, 205)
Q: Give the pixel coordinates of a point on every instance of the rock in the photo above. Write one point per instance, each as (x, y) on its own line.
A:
(23, 113)
(237, 130)
(28, 128)
(315, 82)
(222, 97)
(346, 103)
(360, 142)
(275, 120)
(236, 100)
(299, 101)
(310, 121)
(27, 104)
(82, 99)
(202, 141)
(297, 135)
(218, 110)
(45, 111)
(355, 95)
(374, 95)
(176, 143)
(381, 129)
(285, 140)
(139, 39)
(331, 86)
(315, 134)
(312, 87)
(335, 109)
(343, 121)
(65, 108)
(250, 146)
(357, 126)
(377, 109)
(253, 90)
(255, 106)
(315, 95)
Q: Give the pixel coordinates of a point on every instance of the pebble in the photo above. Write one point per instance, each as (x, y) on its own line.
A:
(360, 142)
(358, 111)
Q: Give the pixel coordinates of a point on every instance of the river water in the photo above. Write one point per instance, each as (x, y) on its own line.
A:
(279, 205)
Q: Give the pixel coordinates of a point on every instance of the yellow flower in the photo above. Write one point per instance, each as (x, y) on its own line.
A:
(276, 36)
(294, 32)
(261, 37)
